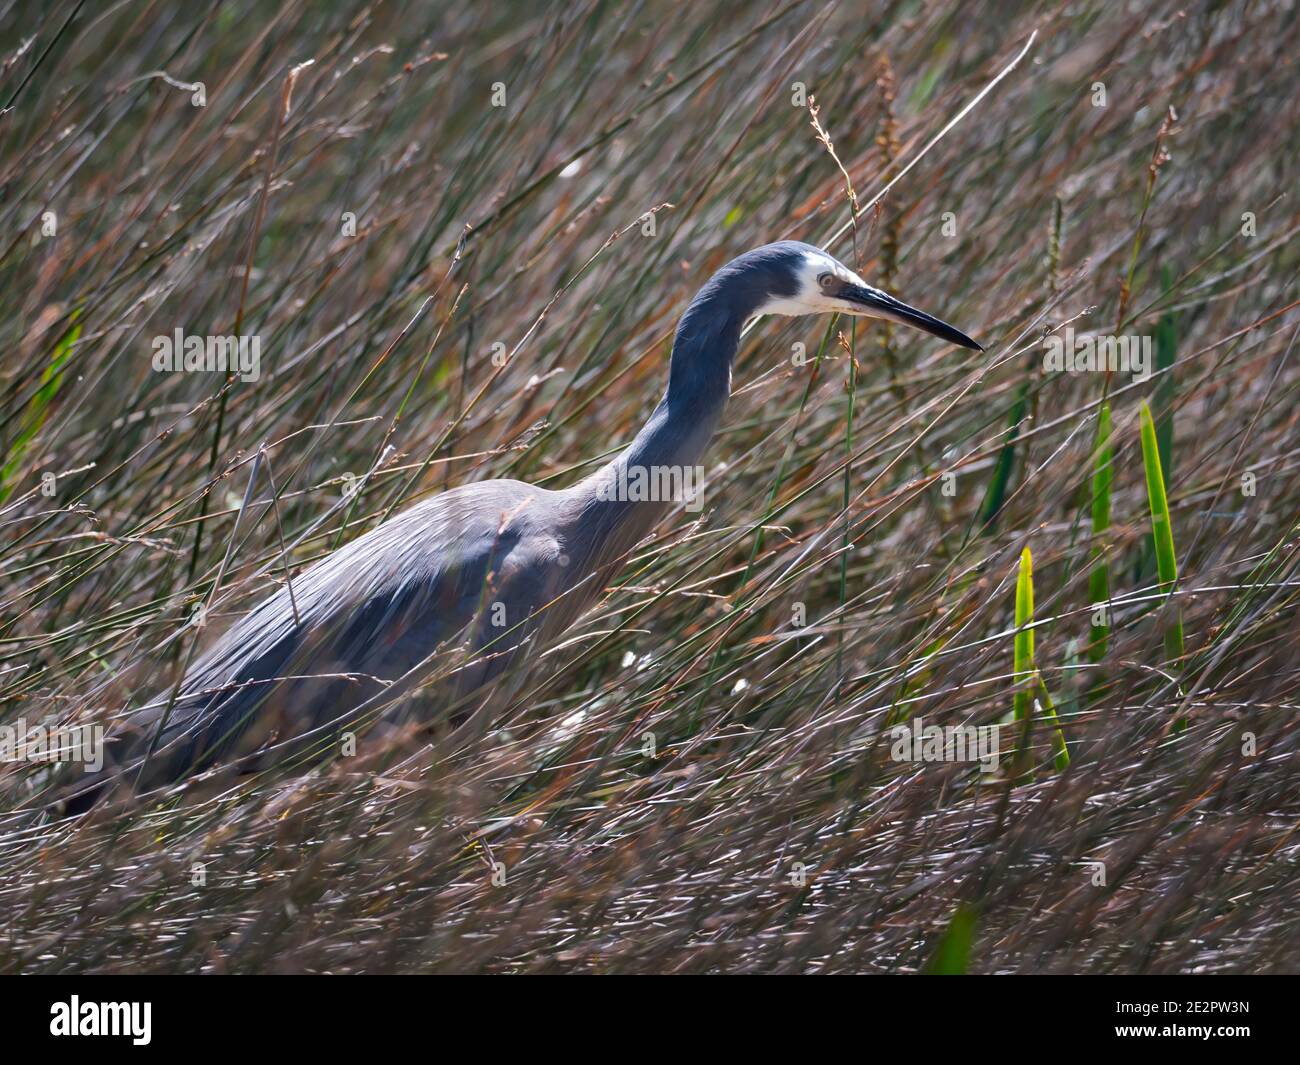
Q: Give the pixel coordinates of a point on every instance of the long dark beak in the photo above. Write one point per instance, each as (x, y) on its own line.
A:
(882, 305)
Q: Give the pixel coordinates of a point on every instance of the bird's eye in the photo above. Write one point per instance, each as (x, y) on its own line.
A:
(826, 280)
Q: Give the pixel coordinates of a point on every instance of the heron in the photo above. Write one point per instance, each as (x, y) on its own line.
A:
(496, 568)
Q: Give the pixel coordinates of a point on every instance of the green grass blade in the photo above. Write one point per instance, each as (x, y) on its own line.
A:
(1047, 710)
(1030, 691)
(1024, 640)
(952, 955)
(1099, 575)
(1162, 412)
(997, 492)
(38, 408)
(1162, 534)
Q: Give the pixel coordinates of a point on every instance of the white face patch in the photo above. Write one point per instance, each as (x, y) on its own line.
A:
(811, 299)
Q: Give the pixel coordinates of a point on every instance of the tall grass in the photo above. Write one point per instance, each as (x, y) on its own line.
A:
(952, 955)
(1031, 700)
(1099, 573)
(1162, 539)
(32, 420)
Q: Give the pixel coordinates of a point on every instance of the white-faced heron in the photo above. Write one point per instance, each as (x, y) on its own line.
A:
(493, 569)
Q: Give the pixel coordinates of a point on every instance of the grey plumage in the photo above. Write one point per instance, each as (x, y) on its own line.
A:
(458, 586)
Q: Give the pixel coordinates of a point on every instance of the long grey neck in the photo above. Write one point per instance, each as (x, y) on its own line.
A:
(673, 441)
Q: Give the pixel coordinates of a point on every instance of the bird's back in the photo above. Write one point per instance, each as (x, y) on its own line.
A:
(465, 567)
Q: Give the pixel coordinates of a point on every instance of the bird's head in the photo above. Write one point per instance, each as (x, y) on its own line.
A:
(793, 278)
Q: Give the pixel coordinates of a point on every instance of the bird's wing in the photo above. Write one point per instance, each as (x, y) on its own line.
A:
(365, 616)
